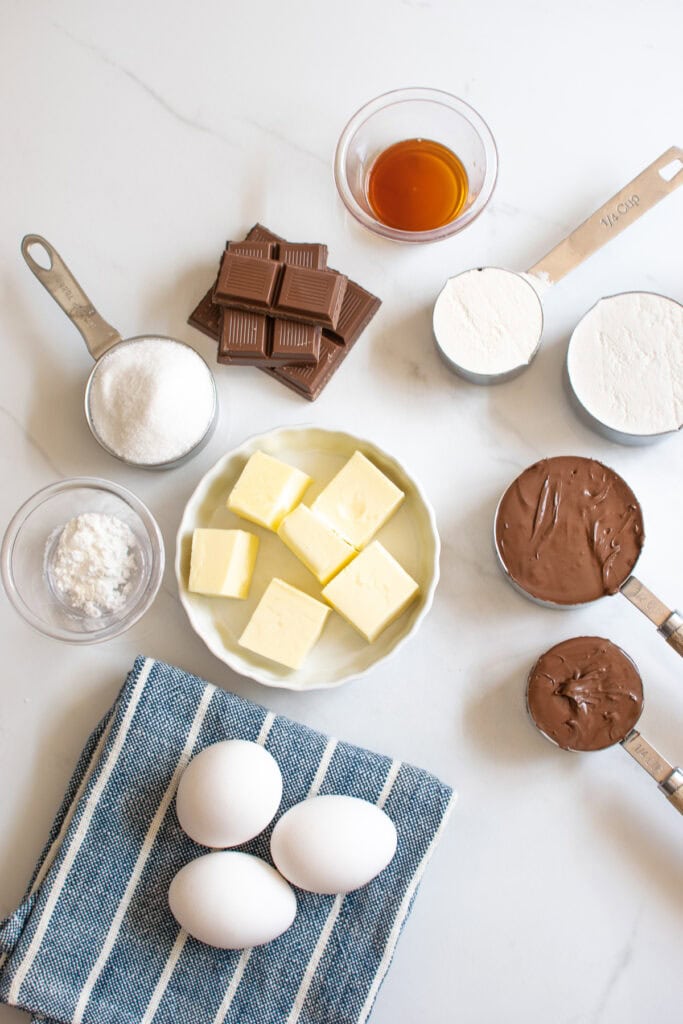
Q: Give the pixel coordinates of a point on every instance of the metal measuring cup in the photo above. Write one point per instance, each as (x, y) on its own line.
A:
(669, 622)
(100, 337)
(581, 346)
(627, 206)
(577, 685)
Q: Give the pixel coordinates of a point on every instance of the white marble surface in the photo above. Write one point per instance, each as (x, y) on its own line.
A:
(131, 139)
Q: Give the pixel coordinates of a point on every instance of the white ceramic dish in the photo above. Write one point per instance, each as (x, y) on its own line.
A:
(341, 654)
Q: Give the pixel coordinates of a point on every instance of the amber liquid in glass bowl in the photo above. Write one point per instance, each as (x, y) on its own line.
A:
(417, 185)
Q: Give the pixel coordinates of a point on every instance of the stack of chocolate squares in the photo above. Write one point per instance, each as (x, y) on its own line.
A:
(277, 306)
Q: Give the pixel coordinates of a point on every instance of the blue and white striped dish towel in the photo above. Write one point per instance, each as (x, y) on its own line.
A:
(94, 942)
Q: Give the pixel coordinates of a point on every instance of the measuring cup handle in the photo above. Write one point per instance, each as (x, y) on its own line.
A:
(669, 623)
(58, 280)
(635, 199)
(672, 788)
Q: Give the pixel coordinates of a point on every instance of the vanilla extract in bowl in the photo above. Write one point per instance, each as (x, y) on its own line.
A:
(417, 185)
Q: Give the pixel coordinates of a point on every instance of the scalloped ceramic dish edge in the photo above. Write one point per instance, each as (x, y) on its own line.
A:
(340, 655)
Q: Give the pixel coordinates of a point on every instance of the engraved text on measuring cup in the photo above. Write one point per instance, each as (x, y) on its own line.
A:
(646, 756)
(620, 210)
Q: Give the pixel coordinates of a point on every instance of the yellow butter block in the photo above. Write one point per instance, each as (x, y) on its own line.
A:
(285, 625)
(222, 562)
(372, 591)
(267, 490)
(313, 542)
(358, 500)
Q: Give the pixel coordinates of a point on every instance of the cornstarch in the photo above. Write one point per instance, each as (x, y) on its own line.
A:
(94, 566)
(151, 400)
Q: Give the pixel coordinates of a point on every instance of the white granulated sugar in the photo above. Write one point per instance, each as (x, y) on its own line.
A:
(94, 565)
(625, 363)
(151, 400)
(488, 321)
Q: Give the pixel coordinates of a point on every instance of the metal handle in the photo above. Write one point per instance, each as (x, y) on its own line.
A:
(58, 280)
(670, 779)
(672, 631)
(672, 788)
(635, 199)
(669, 623)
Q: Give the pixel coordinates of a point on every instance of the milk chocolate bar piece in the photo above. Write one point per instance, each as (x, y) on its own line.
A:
(245, 338)
(251, 339)
(358, 308)
(257, 250)
(311, 296)
(309, 381)
(295, 343)
(269, 286)
(207, 316)
(259, 233)
(247, 283)
(303, 254)
(299, 254)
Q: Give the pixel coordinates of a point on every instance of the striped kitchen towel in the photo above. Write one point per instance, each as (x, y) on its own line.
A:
(94, 942)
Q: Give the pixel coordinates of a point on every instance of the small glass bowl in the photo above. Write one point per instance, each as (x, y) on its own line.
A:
(31, 539)
(415, 114)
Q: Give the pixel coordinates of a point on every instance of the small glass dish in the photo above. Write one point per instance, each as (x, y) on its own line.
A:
(30, 542)
(412, 114)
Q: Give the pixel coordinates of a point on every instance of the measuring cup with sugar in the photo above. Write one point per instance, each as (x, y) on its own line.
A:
(150, 401)
(587, 694)
(488, 322)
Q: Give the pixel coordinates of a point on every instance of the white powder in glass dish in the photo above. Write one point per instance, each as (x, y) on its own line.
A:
(94, 565)
(625, 363)
(488, 321)
(151, 400)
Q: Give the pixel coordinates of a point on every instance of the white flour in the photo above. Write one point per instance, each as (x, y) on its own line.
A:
(488, 321)
(94, 565)
(151, 400)
(625, 362)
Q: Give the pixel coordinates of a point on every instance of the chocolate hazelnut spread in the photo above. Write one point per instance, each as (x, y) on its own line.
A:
(569, 530)
(585, 694)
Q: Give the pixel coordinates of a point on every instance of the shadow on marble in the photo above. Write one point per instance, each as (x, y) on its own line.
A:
(167, 308)
(651, 850)
(470, 575)
(533, 408)
(497, 720)
(55, 424)
(403, 350)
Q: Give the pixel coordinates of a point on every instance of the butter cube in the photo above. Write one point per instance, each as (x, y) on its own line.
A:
(267, 490)
(285, 625)
(222, 562)
(314, 543)
(358, 500)
(372, 591)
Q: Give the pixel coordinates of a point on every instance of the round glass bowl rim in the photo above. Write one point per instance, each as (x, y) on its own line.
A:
(151, 587)
(397, 96)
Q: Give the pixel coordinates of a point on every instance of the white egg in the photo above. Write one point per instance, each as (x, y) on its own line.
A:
(231, 900)
(332, 844)
(228, 793)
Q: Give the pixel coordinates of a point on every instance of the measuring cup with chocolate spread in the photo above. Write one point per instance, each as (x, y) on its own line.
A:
(587, 694)
(569, 530)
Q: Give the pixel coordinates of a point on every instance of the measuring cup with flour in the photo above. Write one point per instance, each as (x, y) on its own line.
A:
(569, 530)
(488, 322)
(625, 367)
(587, 694)
(150, 401)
